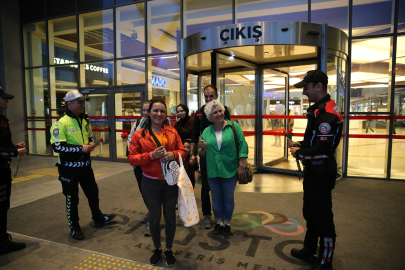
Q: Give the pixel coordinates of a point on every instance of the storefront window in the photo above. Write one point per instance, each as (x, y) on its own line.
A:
(367, 154)
(37, 92)
(371, 17)
(164, 27)
(270, 10)
(97, 74)
(370, 75)
(201, 15)
(398, 142)
(35, 51)
(164, 80)
(130, 30)
(401, 16)
(96, 35)
(192, 93)
(335, 13)
(127, 112)
(131, 71)
(63, 79)
(62, 35)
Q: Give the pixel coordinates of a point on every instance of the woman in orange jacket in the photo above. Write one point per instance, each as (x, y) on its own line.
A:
(144, 152)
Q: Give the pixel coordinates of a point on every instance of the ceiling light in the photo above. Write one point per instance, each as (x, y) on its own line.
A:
(266, 52)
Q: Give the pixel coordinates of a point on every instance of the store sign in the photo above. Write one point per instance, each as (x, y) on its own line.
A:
(60, 61)
(271, 94)
(157, 81)
(241, 33)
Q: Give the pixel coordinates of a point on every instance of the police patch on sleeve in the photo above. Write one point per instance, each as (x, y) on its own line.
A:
(324, 128)
(55, 133)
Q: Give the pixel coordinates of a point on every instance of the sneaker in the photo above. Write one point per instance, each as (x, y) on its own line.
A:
(170, 259)
(227, 232)
(105, 219)
(9, 246)
(155, 259)
(206, 224)
(145, 219)
(147, 231)
(304, 254)
(76, 233)
(218, 229)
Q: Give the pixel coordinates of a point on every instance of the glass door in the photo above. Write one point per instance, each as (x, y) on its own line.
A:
(275, 112)
(112, 113)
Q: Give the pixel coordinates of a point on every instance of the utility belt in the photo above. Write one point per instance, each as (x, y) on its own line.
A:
(5, 163)
(321, 166)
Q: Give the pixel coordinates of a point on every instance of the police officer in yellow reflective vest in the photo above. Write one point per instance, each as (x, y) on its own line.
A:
(71, 137)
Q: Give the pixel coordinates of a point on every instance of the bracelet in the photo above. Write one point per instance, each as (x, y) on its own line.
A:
(243, 166)
(151, 155)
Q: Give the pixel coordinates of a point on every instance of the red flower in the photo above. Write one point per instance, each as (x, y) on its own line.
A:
(124, 135)
(289, 131)
(26, 132)
(101, 139)
(200, 114)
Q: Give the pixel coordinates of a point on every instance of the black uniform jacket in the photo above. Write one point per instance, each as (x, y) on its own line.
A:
(323, 132)
(201, 122)
(7, 149)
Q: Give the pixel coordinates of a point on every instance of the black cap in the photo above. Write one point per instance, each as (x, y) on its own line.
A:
(313, 76)
(3, 94)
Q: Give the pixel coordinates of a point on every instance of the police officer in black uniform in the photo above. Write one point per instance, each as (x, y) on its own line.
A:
(8, 150)
(317, 151)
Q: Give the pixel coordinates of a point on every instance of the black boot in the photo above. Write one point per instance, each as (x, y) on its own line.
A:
(6, 245)
(304, 254)
(325, 254)
(76, 232)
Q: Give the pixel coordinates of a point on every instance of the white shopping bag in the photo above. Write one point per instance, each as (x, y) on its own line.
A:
(186, 203)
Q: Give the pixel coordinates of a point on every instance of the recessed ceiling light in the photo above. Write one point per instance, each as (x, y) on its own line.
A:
(266, 52)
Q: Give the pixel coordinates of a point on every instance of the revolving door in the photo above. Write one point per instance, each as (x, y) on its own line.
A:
(254, 66)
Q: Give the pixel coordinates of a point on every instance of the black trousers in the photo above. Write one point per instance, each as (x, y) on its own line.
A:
(317, 209)
(138, 176)
(157, 194)
(205, 189)
(70, 179)
(5, 192)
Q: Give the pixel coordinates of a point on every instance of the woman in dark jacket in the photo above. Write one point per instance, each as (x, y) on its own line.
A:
(184, 124)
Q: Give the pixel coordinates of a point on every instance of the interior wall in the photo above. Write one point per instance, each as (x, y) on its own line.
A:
(11, 73)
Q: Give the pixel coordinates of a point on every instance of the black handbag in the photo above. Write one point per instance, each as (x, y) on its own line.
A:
(248, 167)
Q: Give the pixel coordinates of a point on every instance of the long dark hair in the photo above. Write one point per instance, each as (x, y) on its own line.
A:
(148, 125)
(185, 108)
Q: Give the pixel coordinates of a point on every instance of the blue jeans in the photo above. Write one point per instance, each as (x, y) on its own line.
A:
(222, 192)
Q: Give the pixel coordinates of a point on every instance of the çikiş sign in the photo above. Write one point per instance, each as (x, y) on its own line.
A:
(241, 33)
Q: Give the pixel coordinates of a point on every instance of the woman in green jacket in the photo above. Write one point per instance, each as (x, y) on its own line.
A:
(218, 145)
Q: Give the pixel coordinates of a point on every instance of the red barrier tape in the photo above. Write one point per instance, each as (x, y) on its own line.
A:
(284, 117)
(128, 117)
(249, 133)
(46, 129)
(369, 117)
(123, 130)
(98, 117)
(100, 130)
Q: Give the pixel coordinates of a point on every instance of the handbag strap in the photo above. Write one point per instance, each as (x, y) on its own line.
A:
(236, 139)
(155, 139)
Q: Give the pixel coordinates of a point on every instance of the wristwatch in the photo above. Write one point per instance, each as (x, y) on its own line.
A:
(243, 166)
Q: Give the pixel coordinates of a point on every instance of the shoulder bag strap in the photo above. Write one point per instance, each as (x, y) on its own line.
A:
(236, 139)
(156, 140)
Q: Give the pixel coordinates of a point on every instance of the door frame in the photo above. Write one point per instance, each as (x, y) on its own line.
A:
(111, 91)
